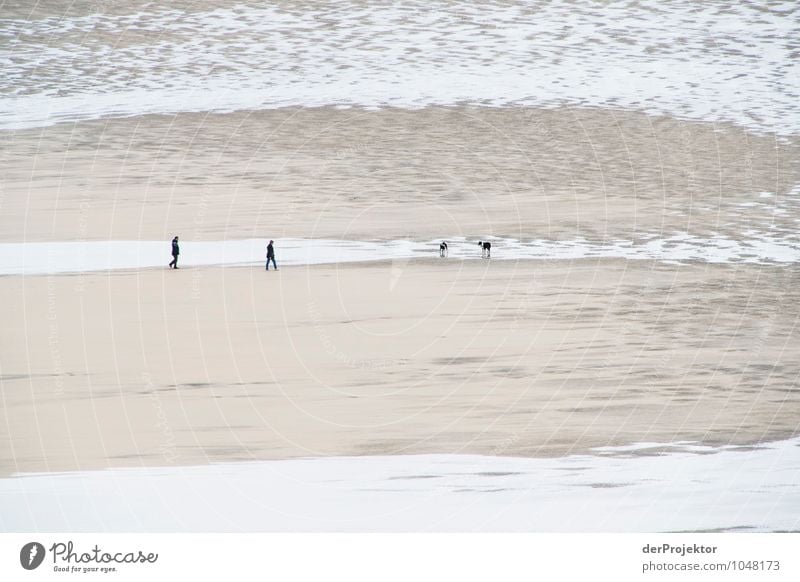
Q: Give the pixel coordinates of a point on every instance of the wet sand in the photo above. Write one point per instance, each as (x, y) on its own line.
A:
(529, 358)
(395, 174)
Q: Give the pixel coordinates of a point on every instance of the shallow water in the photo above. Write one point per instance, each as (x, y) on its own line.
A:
(74, 257)
(718, 61)
(646, 487)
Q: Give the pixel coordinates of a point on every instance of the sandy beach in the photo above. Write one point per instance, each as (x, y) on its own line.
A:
(516, 358)
(524, 358)
(530, 358)
(395, 174)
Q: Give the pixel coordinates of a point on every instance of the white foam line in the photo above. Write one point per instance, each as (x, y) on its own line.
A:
(73, 257)
(756, 489)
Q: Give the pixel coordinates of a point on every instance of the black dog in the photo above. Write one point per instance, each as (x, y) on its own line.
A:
(486, 249)
(443, 249)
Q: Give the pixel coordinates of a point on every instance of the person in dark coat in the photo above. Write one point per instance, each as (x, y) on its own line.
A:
(271, 255)
(175, 252)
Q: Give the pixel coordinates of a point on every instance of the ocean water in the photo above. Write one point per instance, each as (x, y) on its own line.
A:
(714, 61)
(649, 487)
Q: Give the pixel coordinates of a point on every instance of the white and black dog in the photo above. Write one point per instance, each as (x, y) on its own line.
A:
(486, 249)
(443, 249)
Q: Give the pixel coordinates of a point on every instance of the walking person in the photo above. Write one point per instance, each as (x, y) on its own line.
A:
(175, 252)
(271, 255)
